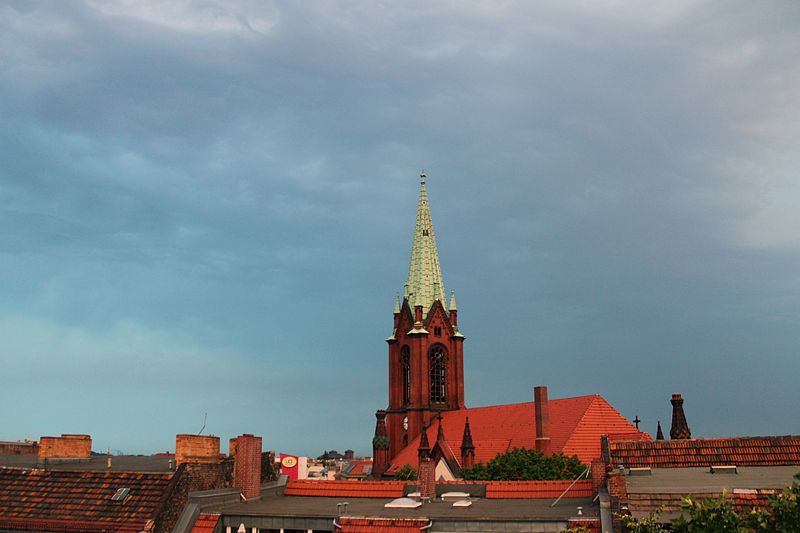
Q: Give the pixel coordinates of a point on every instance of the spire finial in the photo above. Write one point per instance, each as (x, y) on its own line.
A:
(422, 177)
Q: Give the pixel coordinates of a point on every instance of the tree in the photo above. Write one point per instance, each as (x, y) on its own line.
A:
(716, 515)
(406, 473)
(710, 515)
(525, 464)
(782, 514)
(648, 524)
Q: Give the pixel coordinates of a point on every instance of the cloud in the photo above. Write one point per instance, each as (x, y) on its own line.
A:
(611, 183)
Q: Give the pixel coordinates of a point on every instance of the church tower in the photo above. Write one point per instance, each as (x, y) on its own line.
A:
(426, 357)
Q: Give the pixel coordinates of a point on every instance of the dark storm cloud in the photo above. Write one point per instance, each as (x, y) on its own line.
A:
(209, 205)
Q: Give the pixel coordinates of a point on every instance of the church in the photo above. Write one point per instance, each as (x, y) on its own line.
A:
(426, 387)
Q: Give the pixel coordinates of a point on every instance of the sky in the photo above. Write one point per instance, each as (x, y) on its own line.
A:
(207, 209)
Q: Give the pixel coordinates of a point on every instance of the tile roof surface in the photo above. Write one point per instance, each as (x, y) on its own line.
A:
(76, 501)
(576, 425)
(345, 488)
(381, 525)
(739, 451)
(205, 523)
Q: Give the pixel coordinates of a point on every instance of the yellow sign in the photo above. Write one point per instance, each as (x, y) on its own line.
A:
(289, 462)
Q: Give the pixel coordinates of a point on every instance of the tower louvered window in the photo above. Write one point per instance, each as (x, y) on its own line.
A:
(437, 356)
(405, 358)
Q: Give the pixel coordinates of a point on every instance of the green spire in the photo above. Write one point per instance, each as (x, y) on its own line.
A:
(424, 284)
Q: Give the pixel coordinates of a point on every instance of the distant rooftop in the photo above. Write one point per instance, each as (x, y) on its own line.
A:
(119, 463)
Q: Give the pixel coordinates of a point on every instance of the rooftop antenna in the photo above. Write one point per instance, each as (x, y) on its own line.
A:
(205, 417)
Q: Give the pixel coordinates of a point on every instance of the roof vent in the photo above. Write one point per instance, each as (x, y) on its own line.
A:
(640, 471)
(121, 495)
(723, 469)
(454, 496)
(462, 503)
(403, 503)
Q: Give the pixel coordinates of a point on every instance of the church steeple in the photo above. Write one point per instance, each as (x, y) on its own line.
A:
(424, 284)
(426, 348)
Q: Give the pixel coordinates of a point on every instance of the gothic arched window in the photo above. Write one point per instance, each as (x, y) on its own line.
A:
(405, 361)
(437, 356)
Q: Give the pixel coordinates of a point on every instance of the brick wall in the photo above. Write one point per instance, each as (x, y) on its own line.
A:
(427, 478)
(598, 471)
(19, 448)
(65, 447)
(196, 449)
(247, 466)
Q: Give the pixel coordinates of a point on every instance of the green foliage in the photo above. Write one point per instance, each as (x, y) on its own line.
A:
(648, 524)
(406, 473)
(716, 515)
(576, 529)
(524, 464)
(711, 515)
(782, 514)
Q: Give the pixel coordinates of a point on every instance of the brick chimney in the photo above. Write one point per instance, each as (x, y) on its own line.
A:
(196, 449)
(679, 429)
(598, 471)
(380, 446)
(542, 420)
(467, 447)
(247, 466)
(67, 446)
(427, 468)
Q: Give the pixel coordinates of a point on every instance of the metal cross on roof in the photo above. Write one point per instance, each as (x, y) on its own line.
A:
(636, 421)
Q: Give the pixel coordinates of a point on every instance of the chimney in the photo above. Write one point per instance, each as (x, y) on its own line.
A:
(67, 446)
(380, 446)
(427, 468)
(598, 470)
(247, 466)
(196, 449)
(542, 420)
(680, 429)
(467, 447)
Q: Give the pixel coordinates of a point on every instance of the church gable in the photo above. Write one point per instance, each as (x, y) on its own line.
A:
(438, 318)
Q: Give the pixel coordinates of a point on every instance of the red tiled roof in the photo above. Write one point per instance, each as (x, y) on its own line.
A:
(357, 467)
(743, 500)
(538, 489)
(78, 501)
(576, 425)
(345, 489)
(205, 523)
(382, 525)
(739, 451)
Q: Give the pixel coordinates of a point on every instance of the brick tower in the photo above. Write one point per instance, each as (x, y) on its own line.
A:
(426, 357)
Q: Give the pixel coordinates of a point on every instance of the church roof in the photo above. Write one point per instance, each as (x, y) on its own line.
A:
(424, 284)
(576, 425)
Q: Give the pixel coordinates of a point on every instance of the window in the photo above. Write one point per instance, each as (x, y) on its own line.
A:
(437, 330)
(405, 361)
(437, 357)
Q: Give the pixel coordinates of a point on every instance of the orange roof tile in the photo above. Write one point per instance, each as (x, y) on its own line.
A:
(576, 425)
(538, 489)
(739, 451)
(382, 525)
(345, 489)
(205, 523)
